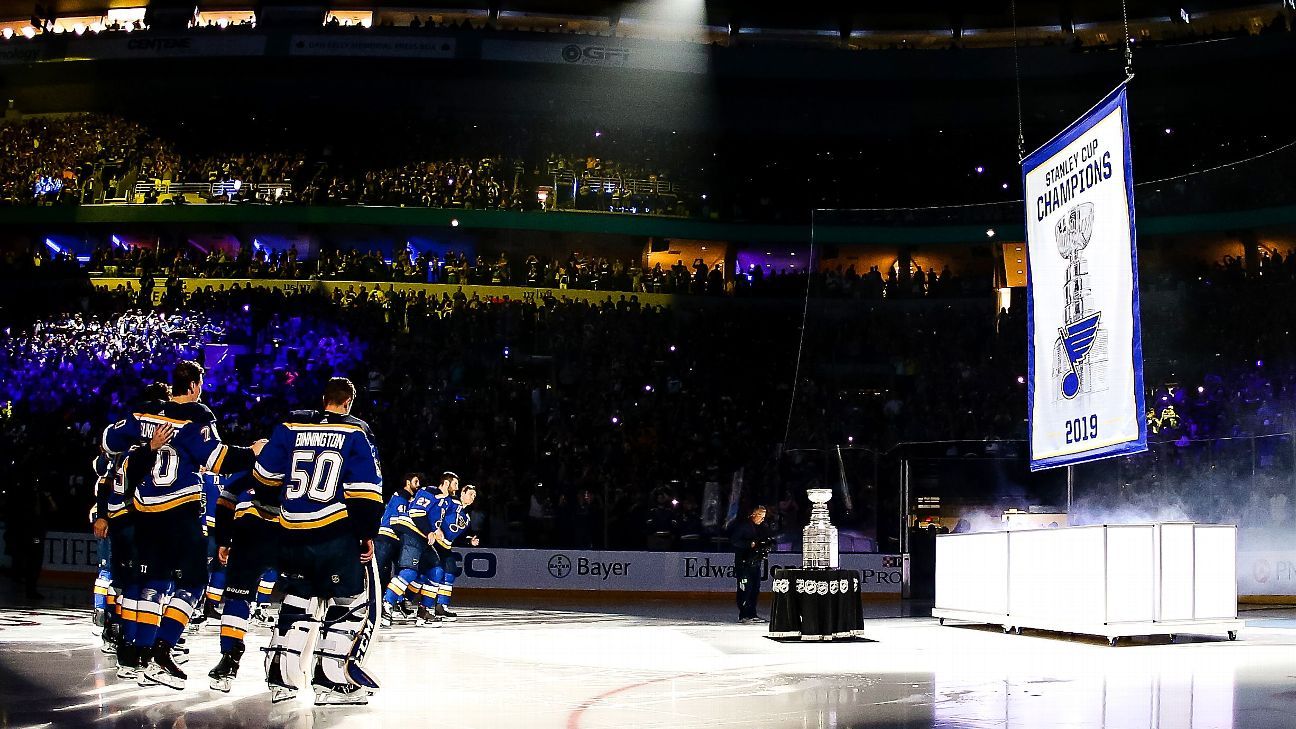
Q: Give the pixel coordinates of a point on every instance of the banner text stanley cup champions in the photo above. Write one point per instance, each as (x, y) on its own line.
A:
(1085, 358)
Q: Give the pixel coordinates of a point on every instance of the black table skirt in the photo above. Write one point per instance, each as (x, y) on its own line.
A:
(816, 604)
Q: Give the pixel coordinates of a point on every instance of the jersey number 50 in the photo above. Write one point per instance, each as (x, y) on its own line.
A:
(322, 481)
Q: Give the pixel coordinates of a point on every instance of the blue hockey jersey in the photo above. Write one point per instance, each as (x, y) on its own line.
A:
(422, 514)
(453, 523)
(321, 470)
(238, 504)
(175, 479)
(211, 495)
(110, 487)
(396, 508)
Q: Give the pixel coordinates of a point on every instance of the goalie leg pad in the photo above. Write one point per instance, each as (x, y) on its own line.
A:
(342, 625)
(288, 644)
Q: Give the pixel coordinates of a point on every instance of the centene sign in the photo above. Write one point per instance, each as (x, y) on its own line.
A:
(642, 571)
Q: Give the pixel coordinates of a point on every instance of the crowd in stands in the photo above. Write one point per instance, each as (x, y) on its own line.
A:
(66, 158)
(454, 164)
(95, 158)
(575, 271)
(614, 423)
(473, 184)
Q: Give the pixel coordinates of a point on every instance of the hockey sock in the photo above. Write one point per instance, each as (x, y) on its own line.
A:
(175, 618)
(234, 621)
(396, 588)
(149, 612)
(266, 587)
(447, 586)
(432, 586)
(102, 581)
(215, 591)
(129, 616)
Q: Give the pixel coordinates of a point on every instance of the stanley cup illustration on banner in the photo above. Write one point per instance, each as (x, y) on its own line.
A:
(1080, 354)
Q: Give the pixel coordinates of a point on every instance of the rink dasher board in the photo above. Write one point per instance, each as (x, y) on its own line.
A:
(1106, 580)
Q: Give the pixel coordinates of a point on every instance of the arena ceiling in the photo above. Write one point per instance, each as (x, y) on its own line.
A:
(911, 14)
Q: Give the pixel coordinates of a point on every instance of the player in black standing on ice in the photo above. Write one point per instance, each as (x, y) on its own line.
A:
(750, 539)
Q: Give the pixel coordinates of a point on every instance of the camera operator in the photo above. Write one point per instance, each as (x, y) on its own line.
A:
(751, 544)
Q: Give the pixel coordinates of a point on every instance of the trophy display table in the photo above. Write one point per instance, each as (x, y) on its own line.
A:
(816, 605)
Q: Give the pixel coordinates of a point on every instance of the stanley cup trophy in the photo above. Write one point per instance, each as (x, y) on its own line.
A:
(819, 538)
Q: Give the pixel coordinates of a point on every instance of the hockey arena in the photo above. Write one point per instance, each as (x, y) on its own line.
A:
(648, 363)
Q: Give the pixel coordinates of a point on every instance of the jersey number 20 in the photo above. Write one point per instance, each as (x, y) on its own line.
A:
(322, 481)
(166, 467)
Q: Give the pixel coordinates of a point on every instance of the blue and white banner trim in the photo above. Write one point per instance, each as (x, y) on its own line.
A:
(1084, 346)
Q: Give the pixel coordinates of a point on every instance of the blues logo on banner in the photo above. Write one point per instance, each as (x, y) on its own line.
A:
(1085, 388)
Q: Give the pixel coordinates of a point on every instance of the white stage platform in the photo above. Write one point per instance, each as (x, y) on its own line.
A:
(683, 666)
(1110, 581)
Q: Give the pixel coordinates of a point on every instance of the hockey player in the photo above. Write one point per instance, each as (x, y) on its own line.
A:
(107, 610)
(172, 548)
(387, 546)
(438, 580)
(261, 615)
(415, 529)
(322, 470)
(216, 577)
(114, 519)
(247, 533)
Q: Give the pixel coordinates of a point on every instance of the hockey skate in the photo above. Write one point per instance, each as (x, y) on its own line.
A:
(128, 667)
(163, 670)
(280, 689)
(111, 638)
(224, 673)
(329, 693)
(428, 618)
(444, 613)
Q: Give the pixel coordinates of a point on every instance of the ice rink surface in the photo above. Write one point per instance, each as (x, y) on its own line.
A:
(564, 666)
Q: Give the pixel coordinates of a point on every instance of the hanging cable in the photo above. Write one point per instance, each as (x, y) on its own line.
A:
(805, 312)
(1144, 183)
(1129, 48)
(1021, 135)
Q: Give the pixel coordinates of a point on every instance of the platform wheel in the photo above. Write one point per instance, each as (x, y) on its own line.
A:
(1232, 635)
(1112, 641)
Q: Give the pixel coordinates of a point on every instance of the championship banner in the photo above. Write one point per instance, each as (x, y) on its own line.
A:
(1084, 350)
